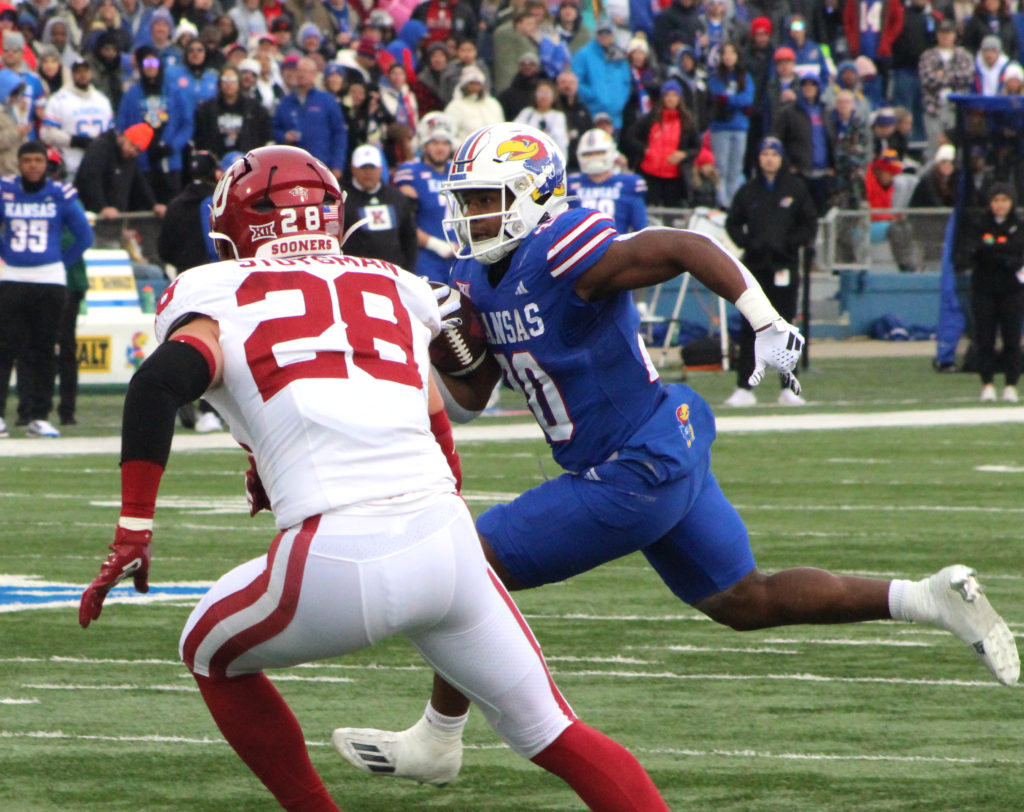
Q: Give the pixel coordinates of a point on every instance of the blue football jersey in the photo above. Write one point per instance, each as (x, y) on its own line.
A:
(33, 222)
(622, 197)
(430, 211)
(581, 365)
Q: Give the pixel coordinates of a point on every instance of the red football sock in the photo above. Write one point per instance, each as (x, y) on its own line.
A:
(602, 772)
(262, 729)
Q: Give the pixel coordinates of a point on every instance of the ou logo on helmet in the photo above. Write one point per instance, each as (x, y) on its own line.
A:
(219, 202)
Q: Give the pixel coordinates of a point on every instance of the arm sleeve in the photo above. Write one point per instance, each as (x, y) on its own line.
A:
(175, 374)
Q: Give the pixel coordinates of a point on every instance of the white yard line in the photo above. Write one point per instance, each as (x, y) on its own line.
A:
(15, 447)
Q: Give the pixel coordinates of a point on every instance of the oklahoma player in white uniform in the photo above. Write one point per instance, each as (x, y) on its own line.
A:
(320, 364)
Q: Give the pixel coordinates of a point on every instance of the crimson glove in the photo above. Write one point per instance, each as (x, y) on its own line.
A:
(130, 556)
(254, 490)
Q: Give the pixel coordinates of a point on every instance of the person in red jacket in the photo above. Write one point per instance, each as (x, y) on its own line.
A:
(879, 188)
(860, 24)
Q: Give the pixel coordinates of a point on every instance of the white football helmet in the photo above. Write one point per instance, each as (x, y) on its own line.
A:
(529, 169)
(435, 125)
(596, 152)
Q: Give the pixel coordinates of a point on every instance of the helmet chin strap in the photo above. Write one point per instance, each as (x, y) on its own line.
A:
(352, 228)
(216, 235)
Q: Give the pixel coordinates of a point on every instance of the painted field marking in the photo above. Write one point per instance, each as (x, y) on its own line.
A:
(661, 751)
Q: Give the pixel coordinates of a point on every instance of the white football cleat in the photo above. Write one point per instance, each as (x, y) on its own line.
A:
(788, 398)
(1010, 394)
(422, 753)
(988, 394)
(952, 599)
(3, 428)
(741, 397)
(208, 422)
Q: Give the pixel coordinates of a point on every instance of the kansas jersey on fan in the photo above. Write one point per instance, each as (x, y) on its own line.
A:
(582, 366)
(32, 225)
(430, 212)
(622, 197)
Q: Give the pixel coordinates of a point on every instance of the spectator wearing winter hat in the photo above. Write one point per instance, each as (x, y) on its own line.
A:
(312, 12)
(644, 81)
(704, 186)
(944, 70)
(848, 79)
(604, 74)
(807, 141)
(161, 30)
(336, 81)
(193, 77)
(937, 186)
(166, 112)
(758, 57)
(885, 137)
(879, 188)
(13, 58)
(107, 63)
(783, 84)
(772, 217)
(990, 18)
(311, 42)
(109, 180)
(662, 146)
(472, 107)
(989, 64)
(363, 63)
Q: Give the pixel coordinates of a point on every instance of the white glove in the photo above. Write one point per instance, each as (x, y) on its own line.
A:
(440, 247)
(777, 346)
(449, 300)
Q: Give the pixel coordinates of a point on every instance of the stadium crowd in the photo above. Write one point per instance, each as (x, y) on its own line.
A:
(855, 91)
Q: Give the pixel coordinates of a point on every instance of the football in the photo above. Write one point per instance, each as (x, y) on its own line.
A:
(460, 350)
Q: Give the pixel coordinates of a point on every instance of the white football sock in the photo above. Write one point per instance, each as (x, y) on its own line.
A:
(898, 599)
(444, 724)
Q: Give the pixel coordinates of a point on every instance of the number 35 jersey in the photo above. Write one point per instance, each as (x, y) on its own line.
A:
(582, 366)
(325, 376)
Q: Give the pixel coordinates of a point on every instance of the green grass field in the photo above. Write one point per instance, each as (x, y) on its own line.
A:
(878, 716)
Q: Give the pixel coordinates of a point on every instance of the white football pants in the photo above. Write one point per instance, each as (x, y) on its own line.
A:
(341, 582)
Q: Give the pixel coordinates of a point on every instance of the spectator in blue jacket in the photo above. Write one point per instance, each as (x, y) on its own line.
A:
(194, 77)
(311, 119)
(731, 90)
(603, 73)
(153, 100)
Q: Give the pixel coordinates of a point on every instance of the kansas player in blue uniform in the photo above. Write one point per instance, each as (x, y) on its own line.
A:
(553, 284)
(34, 212)
(422, 180)
(622, 196)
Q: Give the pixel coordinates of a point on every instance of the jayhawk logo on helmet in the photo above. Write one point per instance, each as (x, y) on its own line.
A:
(537, 159)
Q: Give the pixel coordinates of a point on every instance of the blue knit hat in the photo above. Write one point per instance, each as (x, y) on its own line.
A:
(773, 143)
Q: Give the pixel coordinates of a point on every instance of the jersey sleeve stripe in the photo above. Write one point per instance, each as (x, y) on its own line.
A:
(587, 223)
(605, 235)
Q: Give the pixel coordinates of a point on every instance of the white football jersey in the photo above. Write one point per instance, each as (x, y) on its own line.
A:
(325, 376)
(78, 113)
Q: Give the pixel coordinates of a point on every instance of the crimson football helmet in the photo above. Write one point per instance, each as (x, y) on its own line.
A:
(276, 201)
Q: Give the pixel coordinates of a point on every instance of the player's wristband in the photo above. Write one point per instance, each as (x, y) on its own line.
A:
(756, 308)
